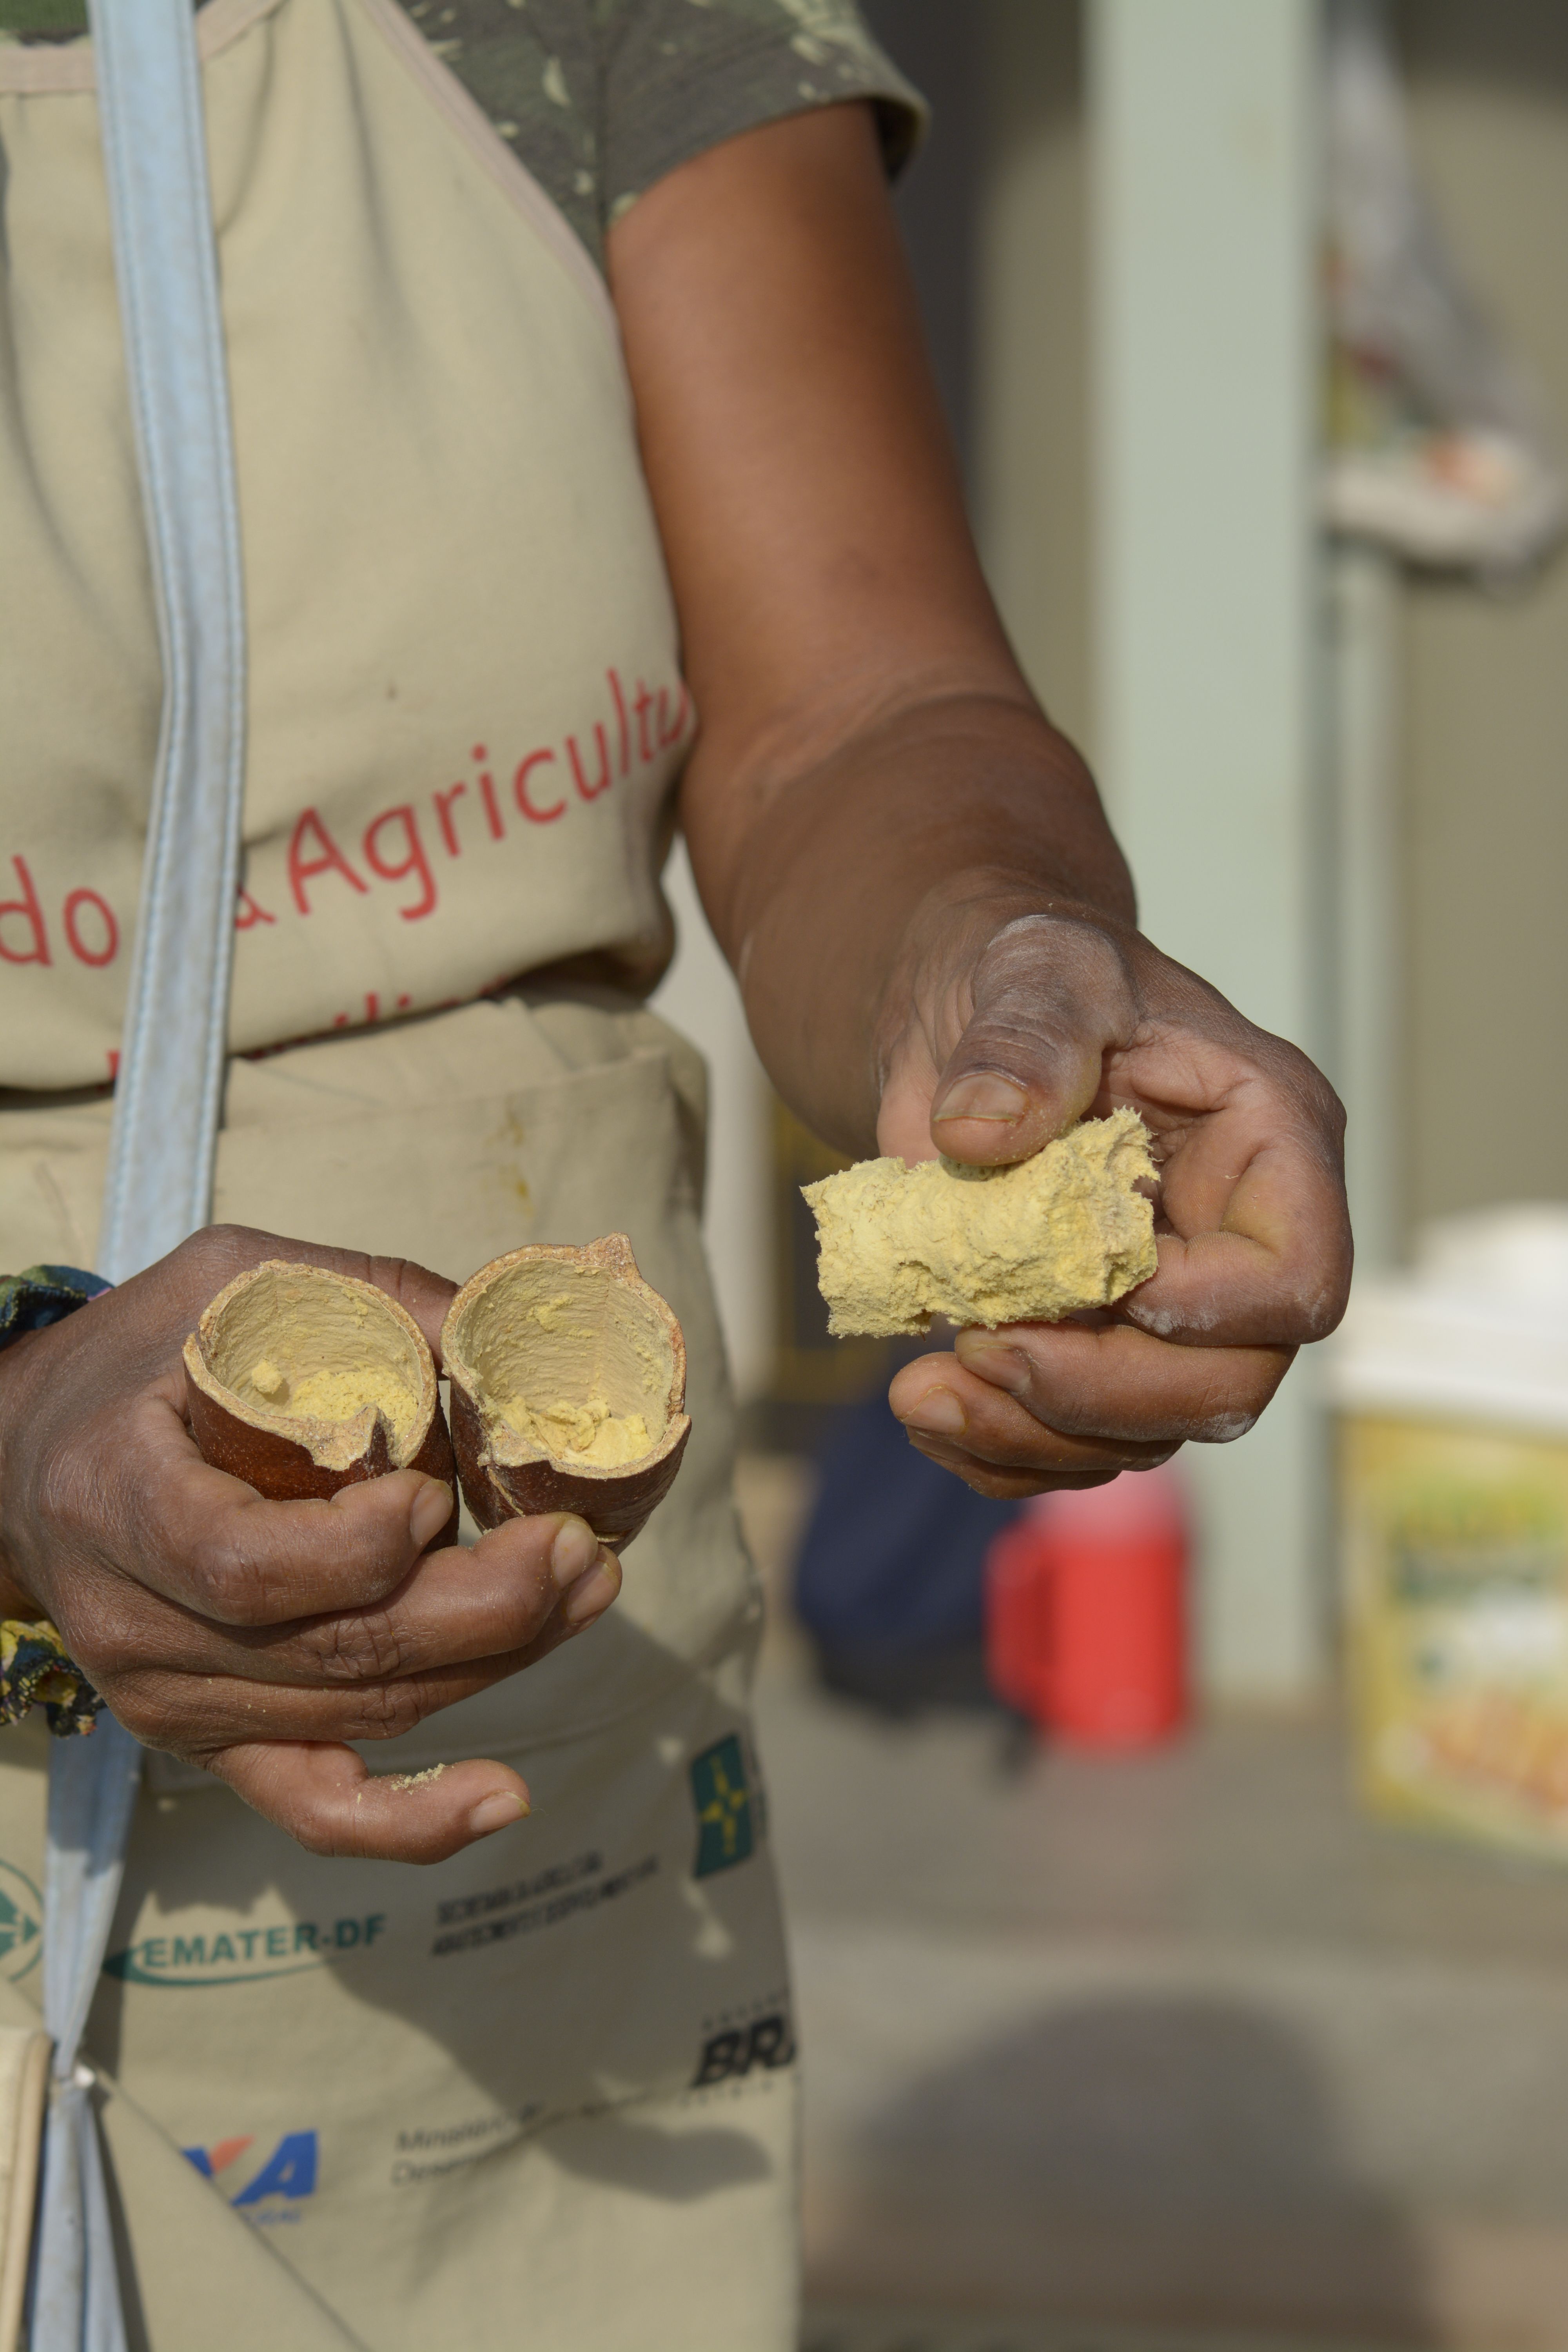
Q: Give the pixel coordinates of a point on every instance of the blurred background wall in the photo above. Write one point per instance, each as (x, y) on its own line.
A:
(1484, 679)
(1076, 370)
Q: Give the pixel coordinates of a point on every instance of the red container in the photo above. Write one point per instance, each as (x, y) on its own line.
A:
(1086, 1612)
(1017, 1616)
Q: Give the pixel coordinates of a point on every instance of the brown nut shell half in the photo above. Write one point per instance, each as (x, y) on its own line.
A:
(568, 1377)
(300, 1382)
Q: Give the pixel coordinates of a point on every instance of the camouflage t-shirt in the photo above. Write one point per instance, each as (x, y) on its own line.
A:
(600, 98)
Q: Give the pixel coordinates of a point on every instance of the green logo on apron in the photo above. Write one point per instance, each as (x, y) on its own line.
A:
(21, 1923)
(723, 1800)
(238, 1955)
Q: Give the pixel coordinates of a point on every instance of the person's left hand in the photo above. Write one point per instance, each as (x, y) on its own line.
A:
(1009, 1028)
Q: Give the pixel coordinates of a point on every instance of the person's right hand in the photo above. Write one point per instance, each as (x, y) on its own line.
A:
(254, 1637)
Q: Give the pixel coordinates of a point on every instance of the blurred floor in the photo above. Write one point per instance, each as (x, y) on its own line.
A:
(1179, 2043)
(849, 2328)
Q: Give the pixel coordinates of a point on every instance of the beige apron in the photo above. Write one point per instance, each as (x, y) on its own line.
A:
(466, 709)
(540, 2095)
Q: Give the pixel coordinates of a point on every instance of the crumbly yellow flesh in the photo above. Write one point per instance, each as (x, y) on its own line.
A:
(1029, 1243)
(335, 1396)
(589, 1432)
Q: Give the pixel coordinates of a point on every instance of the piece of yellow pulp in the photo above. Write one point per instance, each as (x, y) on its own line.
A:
(334, 1396)
(590, 1431)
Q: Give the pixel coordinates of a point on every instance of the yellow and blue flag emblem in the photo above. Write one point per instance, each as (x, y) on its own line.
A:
(723, 1796)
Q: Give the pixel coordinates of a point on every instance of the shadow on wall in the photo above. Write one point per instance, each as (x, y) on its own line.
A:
(941, 49)
(1170, 2161)
(1515, 43)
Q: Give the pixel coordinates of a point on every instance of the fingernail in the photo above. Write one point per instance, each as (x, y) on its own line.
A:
(982, 1095)
(591, 1597)
(573, 1553)
(432, 1509)
(938, 1413)
(497, 1811)
(1004, 1367)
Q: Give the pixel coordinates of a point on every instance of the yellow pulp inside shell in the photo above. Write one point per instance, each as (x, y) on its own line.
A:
(321, 1395)
(590, 1430)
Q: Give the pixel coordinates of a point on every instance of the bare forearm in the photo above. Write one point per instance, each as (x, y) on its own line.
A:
(947, 816)
(865, 735)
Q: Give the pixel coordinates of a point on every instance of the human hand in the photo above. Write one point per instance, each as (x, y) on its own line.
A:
(256, 1638)
(1005, 1027)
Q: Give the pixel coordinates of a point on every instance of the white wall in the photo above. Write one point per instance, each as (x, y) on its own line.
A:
(1204, 388)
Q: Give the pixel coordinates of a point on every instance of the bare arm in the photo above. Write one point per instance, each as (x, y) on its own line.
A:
(906, 863)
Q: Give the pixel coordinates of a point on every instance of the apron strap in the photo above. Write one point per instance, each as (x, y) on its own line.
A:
(170, 1088)
(168, 1097)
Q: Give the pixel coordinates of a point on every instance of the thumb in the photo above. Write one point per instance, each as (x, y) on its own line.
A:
(326, 1797)
(1051, 997)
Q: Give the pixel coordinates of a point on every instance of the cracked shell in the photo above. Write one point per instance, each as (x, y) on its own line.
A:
(300, 1382)
(552, 1334)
